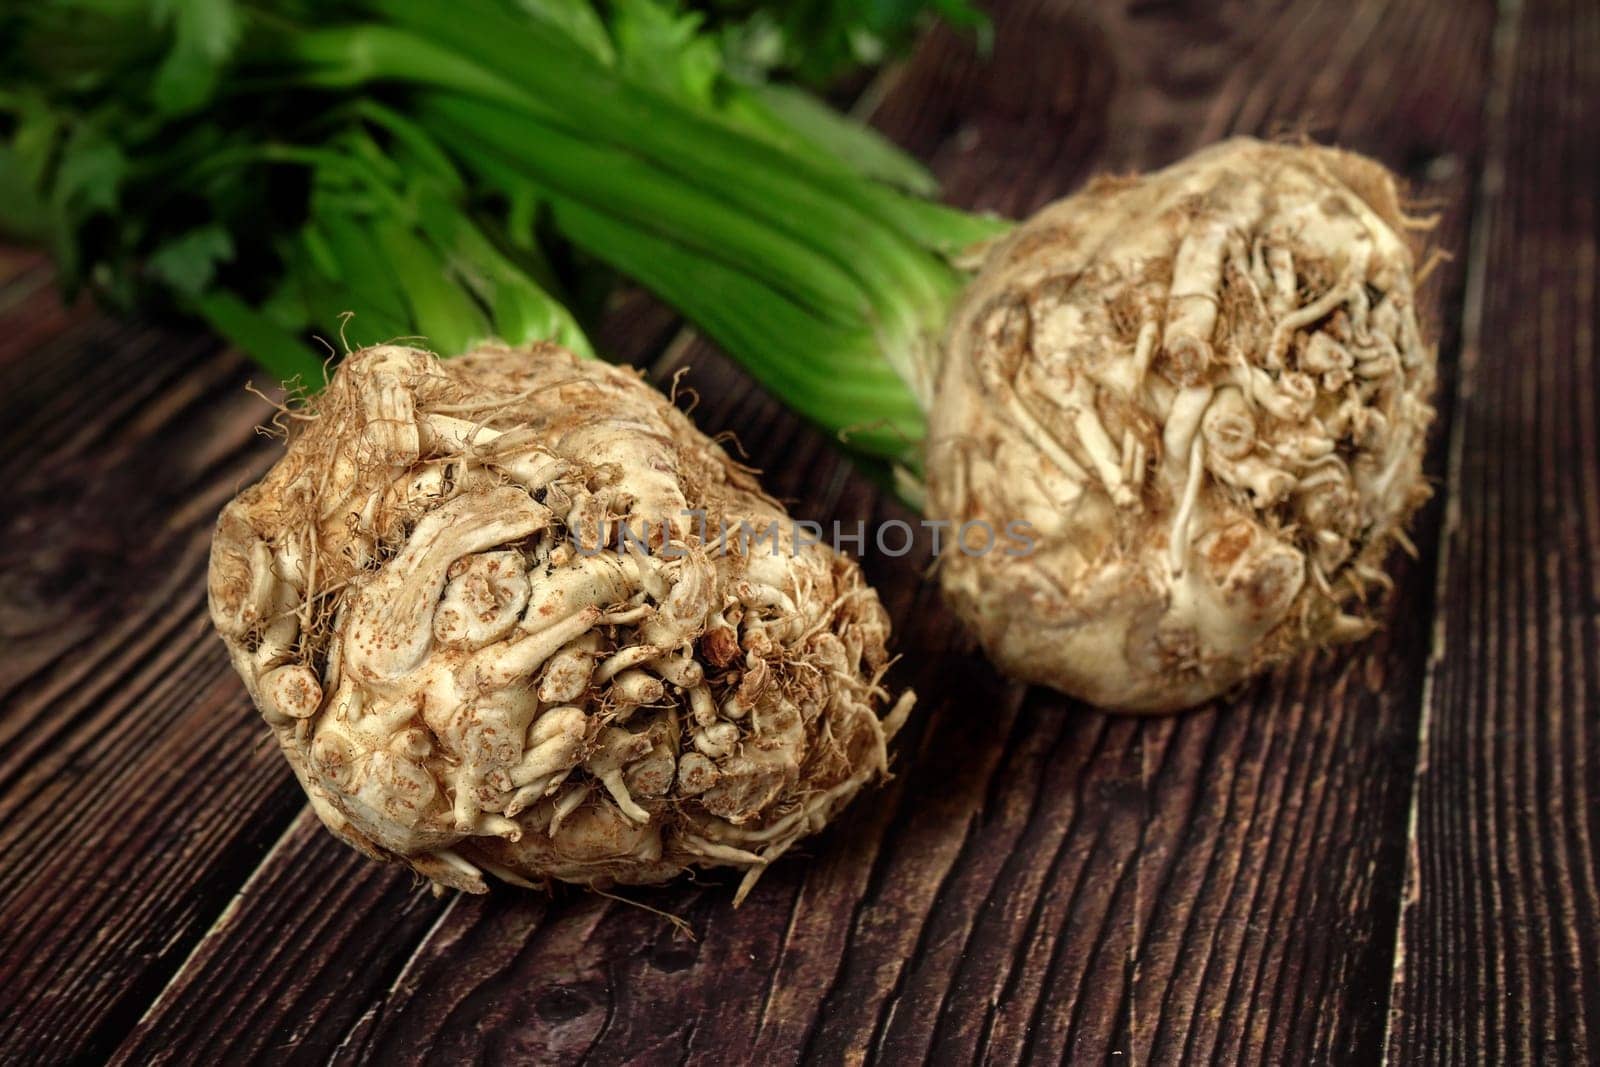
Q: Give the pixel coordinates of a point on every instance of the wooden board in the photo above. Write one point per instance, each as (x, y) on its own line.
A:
(135, 794)
(1500, 936)
(1039, 881)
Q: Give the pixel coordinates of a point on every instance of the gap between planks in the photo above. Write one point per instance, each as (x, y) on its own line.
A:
(1490, 186)
(229, 909)
(376, 1008)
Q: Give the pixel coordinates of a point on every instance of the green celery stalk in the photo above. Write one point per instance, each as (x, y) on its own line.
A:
(276, 349)
(831, 287)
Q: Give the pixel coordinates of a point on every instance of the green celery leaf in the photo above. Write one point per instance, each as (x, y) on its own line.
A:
(578, 20)
(22, 215)
(661, 47)
(279, 350)
(204, 34)
(815, 41)
(89, 173)
(189, 263)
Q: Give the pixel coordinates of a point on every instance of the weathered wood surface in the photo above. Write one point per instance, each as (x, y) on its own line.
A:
(1039, 881)
(135, 795)
(1500, 937)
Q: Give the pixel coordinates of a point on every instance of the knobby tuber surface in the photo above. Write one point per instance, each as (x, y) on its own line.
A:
(1207, 391)
(426, 600)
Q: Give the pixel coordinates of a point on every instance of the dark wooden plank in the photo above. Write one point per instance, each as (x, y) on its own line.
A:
(1039, 880)
(374, 914)
(31, 314)
(1501, 933)
(134, 796)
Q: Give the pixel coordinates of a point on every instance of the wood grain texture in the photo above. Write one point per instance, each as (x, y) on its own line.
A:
(134, 793)
(1501, 932)
(1039, 882)
(1035, 884)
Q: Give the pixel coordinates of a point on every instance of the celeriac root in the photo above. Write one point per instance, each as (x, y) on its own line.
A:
(465, 679)
(1208, 393)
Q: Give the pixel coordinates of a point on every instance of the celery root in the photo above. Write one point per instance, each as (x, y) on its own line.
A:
(425, 601)
(1208, 391)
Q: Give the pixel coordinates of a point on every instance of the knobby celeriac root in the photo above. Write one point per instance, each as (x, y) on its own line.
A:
(420, 599)
(1207, 391)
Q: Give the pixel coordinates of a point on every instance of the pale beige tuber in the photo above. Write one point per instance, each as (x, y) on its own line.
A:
(426, 600)
(1207, 391)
